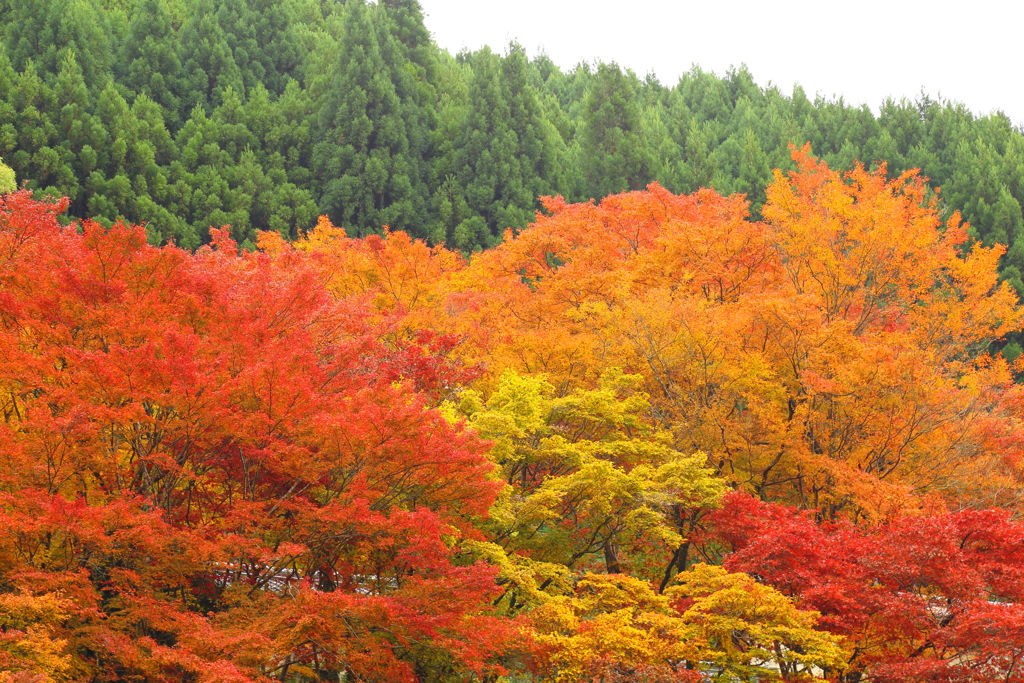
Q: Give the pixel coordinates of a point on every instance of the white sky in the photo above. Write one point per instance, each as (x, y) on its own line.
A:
(864, 50)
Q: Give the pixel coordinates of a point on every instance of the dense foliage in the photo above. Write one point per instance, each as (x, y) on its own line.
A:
(186, 114)
(649, 440)
(319, 361)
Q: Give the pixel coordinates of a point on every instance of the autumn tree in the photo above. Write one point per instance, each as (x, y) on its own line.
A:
(30, 644)
(224, 472)
(713, 623)
(8, 183)
(591, 485)
(833, 356)
(936, 598)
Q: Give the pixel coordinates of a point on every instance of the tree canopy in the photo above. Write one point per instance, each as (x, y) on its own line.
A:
(651, 438)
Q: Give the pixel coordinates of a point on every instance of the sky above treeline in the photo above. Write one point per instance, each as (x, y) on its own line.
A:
(863, 51)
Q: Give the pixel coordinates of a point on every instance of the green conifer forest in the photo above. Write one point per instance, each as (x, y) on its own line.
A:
(261, 115)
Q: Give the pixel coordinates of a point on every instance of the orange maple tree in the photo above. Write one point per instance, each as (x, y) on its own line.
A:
(834, 356)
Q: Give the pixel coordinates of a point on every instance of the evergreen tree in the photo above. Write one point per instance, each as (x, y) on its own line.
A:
(406, 25)
(43, 31)
(80, 132)
(448, 200)
(615, 156)
(207, 59)
(902, 121)
(152, 66)
(541, 146)
(262, 41)
(707, 96)
(485, 153)
(283, 129)
(700, 168)
(369, 158)
(505, 153)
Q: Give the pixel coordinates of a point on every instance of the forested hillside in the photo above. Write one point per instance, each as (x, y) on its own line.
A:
(263, 114)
